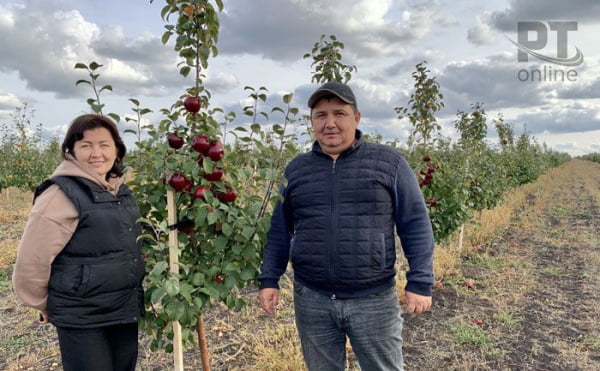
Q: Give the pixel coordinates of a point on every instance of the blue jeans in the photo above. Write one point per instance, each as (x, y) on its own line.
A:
(373, 324)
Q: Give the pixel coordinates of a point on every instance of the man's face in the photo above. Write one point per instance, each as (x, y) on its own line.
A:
(334, 123)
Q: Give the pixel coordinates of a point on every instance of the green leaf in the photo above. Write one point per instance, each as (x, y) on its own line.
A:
(106, 87)
(94, 66)
(227, 229)
(186, 290)
(166, 36)
(134, 101)
(82, 82)
(221, 242)
(247, 232)
(172, 287)
(247, 274)
(185, 71)
(175, 310)
(115, 117)
(97, 108)
(159, 268)
(81, 66)
(157, 295)
(199, 301)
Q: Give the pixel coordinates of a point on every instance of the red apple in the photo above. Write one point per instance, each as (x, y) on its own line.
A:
(216, 175)
(200, 143)
(216, 151)
(178, 182)
(426, 158)
(479, 322)
(199, 192)
(192, 104)
(188, 186)
(432, 202)
(228, 196)
(470, 284)
(175, 141)
(219, 279)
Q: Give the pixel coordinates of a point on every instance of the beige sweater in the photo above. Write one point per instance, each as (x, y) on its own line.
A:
(52, 222)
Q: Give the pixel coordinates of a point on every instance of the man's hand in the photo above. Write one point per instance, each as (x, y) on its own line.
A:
(268, 299)
(416, 303)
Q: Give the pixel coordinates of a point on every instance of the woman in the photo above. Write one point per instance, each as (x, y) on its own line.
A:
(79, 261)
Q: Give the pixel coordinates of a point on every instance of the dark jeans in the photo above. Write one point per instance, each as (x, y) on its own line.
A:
(110, 348)
(373, 325)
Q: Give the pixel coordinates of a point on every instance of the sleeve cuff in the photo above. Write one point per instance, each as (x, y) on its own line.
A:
(419, 288)
(269, 284)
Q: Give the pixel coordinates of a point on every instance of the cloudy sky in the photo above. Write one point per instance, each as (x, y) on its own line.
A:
(465, 42)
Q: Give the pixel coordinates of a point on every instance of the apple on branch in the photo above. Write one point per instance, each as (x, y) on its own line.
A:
(179, 182)
(175, 141)
(192, 104)
(200, 143)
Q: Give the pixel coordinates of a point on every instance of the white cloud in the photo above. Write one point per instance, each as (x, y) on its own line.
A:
(8, 103)
(481, 33)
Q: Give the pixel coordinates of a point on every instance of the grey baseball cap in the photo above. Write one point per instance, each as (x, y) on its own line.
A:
(338, 89)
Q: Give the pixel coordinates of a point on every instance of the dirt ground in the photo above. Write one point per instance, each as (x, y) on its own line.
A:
(534, 303)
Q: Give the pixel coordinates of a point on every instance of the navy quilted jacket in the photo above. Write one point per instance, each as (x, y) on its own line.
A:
(336, 223)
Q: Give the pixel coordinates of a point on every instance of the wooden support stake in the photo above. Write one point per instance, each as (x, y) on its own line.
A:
(174, 268)
(202, 344)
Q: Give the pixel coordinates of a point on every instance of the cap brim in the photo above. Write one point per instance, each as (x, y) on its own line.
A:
(322, 93)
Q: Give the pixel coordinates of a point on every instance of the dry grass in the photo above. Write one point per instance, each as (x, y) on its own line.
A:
(14, 210)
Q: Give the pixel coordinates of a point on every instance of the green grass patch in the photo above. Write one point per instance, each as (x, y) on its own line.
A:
(5, 278)
(469, 335)
(505, 319)
(486, 261)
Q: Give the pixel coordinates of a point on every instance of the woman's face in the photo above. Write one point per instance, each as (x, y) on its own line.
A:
(97, 149)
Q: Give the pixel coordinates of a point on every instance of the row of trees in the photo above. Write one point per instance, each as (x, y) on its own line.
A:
(26, 158)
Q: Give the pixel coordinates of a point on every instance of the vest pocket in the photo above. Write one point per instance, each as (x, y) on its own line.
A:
(378, 250)
(67, 278)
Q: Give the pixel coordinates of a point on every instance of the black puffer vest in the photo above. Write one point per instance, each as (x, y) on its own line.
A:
(343, 240)
(96, 280)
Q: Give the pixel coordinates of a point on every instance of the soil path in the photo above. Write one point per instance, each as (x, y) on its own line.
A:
(536, 303)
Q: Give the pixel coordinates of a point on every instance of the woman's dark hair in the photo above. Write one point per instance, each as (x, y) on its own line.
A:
(93, 121)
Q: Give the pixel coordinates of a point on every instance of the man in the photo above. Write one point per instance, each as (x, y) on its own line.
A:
(336, 224)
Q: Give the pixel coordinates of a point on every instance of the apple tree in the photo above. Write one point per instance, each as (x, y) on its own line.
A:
(220, 200)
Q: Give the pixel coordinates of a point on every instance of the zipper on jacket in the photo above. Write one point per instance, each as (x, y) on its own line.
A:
(333, 245)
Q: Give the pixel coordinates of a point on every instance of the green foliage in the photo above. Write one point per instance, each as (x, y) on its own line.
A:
(327, 58)
(594, 157)
(469, 175)
(221, 249)
(26, 159)
(424, 102)
(94, 103)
